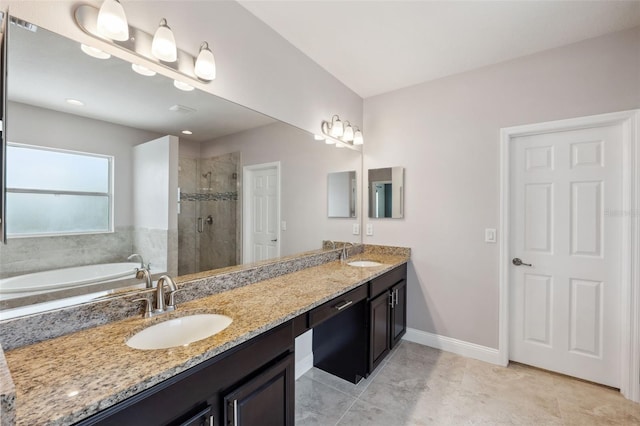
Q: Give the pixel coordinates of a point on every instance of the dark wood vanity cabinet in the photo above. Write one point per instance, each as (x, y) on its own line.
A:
(387, 313)
(251, 384)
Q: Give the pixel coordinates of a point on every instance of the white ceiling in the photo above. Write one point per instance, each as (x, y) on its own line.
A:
(378, 46)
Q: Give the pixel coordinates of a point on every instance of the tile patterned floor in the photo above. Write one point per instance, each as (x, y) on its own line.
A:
(418, 385)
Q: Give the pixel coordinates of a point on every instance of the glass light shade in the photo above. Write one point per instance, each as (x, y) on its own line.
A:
(142, 70)
(112, 22)
(357, 138)
(337, 128)
(94, 52)
(163, 45)
(348, 133)
(205, 67)
(182, 86)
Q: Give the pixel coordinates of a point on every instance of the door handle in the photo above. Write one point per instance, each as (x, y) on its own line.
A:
(518, 262)
(273, 241)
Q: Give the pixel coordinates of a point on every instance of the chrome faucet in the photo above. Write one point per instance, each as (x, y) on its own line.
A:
(160, 302)
(136, 255)
(345, 252)
(161, 306)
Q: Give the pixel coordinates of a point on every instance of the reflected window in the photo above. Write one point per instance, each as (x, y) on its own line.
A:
(57, 192)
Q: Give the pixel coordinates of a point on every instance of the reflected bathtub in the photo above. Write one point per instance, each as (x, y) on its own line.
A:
(59, 279)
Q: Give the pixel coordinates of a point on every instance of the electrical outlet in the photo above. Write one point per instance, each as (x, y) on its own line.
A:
(369, 229)
(356, 229)
(490, 235)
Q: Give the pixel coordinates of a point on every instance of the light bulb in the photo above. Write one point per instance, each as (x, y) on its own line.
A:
(94, 52)
(112, 22)
(337, 128)
(357, 138)
(182, 86)
(163, 45)
(348, 133)
(142, 70)
(205, 67)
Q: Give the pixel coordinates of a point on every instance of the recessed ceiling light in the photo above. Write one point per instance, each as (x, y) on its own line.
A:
(94, 52)
(187, 132)
(182, 86)
(74, 102)
(142, 70)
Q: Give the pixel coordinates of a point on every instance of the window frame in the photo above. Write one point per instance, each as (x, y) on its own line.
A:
(109, 194)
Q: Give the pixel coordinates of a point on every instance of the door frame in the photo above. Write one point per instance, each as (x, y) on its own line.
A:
(247, 173)
(630, 239)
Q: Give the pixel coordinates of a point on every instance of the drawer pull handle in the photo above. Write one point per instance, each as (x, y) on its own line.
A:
(343, 305)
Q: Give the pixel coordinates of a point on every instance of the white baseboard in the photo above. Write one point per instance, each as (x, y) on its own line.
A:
(469, 350)
(304, 365)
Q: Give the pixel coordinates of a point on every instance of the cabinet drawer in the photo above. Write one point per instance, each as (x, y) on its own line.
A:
(335, 306)
(385, 281)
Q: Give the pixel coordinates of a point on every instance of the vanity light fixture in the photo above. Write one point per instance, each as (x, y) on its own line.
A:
(94, 52)
(142, 70)
(182, 85)
(341, 133)
(159, 48)
(112, 22)
(163, 45)
(205, 67)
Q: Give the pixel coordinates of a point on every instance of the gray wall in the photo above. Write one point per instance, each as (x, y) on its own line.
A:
(446, 134)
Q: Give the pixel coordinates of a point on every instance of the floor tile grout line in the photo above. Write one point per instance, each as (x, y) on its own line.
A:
(347, 410)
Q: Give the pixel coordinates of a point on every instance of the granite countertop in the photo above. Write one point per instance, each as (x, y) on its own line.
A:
(63, 380)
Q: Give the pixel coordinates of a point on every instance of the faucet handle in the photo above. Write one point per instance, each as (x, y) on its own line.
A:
(171, 304)
(147, 306)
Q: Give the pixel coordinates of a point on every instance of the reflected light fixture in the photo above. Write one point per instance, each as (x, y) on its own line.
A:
(357, 137)
(337, 127)
(94, 52)
(182, 85)
(318, 137)
(74, 102)
(112, 22)
(142, 70)
(163, 45)
(205, 67)
(340, 133)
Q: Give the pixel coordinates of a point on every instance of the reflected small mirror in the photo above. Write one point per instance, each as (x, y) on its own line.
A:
(341, 194)
(386, 192)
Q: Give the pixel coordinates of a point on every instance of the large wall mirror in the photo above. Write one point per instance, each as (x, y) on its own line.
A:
(386, 192)
(103, 162)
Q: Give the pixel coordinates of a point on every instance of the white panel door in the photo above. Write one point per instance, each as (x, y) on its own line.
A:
(264, 205)
(565, 307)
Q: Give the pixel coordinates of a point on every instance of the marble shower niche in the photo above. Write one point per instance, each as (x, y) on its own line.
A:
(209, 215)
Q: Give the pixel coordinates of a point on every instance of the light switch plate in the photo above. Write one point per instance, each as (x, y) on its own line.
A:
(370, 229)
(356, 229)
(490, 235)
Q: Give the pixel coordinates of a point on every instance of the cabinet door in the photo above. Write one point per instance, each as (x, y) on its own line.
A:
(266, 400)
(379, 329)
(398, 312)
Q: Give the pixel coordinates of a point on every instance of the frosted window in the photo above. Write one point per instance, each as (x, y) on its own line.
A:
(53, 192)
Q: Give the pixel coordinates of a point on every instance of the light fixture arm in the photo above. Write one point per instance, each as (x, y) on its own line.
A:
(325, 129)
(138, 44)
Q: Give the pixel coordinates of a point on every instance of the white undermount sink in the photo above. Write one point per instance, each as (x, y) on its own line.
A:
(179, 331)
(364, 263)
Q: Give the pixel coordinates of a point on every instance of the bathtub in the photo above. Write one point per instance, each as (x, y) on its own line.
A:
(59, 279)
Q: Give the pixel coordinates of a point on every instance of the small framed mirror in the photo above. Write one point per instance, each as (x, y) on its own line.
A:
(341, 194)
(386, 192)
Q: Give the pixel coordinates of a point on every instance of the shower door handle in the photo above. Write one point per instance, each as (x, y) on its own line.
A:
(200, 225)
